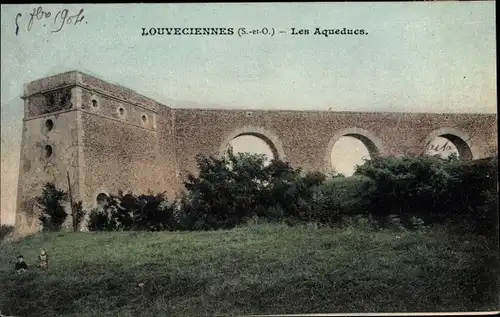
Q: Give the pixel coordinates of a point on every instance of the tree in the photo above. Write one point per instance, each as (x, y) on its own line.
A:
(231, 190)
(78, 214)
(50, 201)
(225, 191)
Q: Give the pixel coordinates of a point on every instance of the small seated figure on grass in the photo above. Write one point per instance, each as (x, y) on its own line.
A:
(43, 259)
(21, 266)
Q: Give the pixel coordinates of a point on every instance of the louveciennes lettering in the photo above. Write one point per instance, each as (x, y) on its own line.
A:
(187, 31)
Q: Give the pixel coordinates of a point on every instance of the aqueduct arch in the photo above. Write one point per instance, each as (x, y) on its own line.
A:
(267, 136)
(370, 141)
(461, 140)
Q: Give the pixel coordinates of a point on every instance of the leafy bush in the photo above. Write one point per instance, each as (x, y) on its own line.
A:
(292, 190)
(5, 230)
(129, 212)
(225, 191)
(101, 220)
(418, 224)
(394, 223)
(357, 222)
(433, 189)
(408, 192)
(53, 215)
(338, 198)
(402, 186)
(229, 191)
(473, 196)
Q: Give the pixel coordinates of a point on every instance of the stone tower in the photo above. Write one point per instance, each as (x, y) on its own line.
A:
(104, 136)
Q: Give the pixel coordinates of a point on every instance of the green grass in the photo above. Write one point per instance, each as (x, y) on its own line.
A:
(262, 269)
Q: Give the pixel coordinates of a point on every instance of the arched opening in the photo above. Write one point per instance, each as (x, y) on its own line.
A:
(446, 142)
(49, 125)
(47, 151)
(122, 113)
(350, 150)
(253, 139)
(102, 199)
(255, 144)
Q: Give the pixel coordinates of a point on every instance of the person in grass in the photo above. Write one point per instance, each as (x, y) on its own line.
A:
(43, 259)
(21, 265)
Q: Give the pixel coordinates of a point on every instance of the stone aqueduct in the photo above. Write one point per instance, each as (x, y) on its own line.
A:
(109, 138)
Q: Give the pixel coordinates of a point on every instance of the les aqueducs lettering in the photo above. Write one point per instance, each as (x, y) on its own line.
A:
(327, 32)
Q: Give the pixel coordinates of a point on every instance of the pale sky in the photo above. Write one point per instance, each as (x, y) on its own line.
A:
(346, 153)
(416, 57)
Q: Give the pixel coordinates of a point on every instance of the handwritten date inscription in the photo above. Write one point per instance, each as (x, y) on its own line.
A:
(56, 20)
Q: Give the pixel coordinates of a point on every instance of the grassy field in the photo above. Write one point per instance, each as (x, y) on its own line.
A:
(262, 269)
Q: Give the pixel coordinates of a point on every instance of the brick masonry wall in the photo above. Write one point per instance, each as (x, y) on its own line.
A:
(307, 138)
